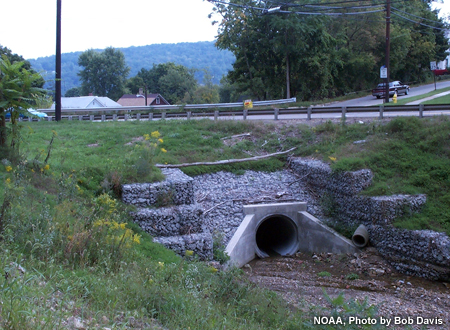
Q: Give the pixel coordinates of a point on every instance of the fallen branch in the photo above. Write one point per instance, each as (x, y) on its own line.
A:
(212, 208)
(226, 161)
(236, 136)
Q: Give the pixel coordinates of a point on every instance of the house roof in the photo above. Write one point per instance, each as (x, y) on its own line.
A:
(85, 102)
(132, 100)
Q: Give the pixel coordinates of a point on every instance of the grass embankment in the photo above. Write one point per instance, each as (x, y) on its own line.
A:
(83, 258)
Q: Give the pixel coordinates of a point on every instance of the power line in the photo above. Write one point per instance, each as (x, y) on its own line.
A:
(264, 10)
(422, 18)
(433, 27)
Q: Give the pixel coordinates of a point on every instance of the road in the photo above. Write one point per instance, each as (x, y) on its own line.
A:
(372, 101)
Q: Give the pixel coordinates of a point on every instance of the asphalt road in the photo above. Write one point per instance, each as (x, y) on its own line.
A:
(372, 101)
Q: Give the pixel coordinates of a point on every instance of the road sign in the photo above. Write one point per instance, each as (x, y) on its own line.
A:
(383, 72)
(433, 66)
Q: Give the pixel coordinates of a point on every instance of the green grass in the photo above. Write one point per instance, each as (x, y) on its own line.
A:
(408, 156)
(440, 100)
(62, 227)
(58, 221)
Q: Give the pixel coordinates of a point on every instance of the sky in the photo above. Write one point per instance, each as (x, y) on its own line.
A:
(28, 27)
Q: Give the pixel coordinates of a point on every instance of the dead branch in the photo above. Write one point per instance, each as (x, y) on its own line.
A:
(214, 207)
(236, 136)
(226, 161)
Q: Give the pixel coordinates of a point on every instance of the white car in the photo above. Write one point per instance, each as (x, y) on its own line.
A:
(37, 113)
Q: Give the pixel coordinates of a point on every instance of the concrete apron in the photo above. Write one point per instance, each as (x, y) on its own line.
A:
(282, 229)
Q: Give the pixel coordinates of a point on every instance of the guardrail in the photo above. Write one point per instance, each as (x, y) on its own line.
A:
(148, 113)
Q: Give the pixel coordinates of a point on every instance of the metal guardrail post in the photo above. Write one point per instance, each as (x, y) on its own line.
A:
(309, 113)
(103, 118)
(163, 115)
(381, 112)
(216, 114)
(138, 116)
(70, 117)
(49, 118)
(344, 113)
(150, 116)
(91, 117)
(80, 118)
(421, 107)
(276, 112)
(188, 115)
(245, 114)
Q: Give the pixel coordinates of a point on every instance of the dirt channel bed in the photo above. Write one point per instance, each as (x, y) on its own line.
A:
(301, 279)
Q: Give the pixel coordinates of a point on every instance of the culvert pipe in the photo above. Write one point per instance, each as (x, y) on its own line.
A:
(361, 236)
(276, 235)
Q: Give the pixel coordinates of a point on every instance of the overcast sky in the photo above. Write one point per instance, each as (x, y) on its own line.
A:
(28, 27)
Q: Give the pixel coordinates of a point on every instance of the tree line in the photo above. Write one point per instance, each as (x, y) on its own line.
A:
(193, 55)
(105, 74)
(320, 56)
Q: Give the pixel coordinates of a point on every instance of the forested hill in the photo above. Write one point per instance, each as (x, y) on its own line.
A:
(195, 55)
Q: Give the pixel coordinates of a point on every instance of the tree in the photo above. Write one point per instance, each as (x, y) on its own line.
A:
(17, 93)
(175, 83)
(207, 93)
(26, 65)
(318, 56)
(134, 84)
(73, 92)
(103, 74)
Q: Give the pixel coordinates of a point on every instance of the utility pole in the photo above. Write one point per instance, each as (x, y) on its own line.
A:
(388, 47)
(58, 63)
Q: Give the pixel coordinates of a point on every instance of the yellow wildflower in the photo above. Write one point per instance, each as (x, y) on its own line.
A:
(8, 180)
(98, 223)
(32, 170)
(155, 134)
(163, 150)
(122, 225)
(189, 253)
(54, 132)
(161, 264)
(8, 168)
(160, 140)
(46, 167)
(146, 137)
(213, 269)
(137, 238)
(333, 159)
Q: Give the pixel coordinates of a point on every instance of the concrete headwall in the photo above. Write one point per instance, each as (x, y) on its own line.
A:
(421, 253)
